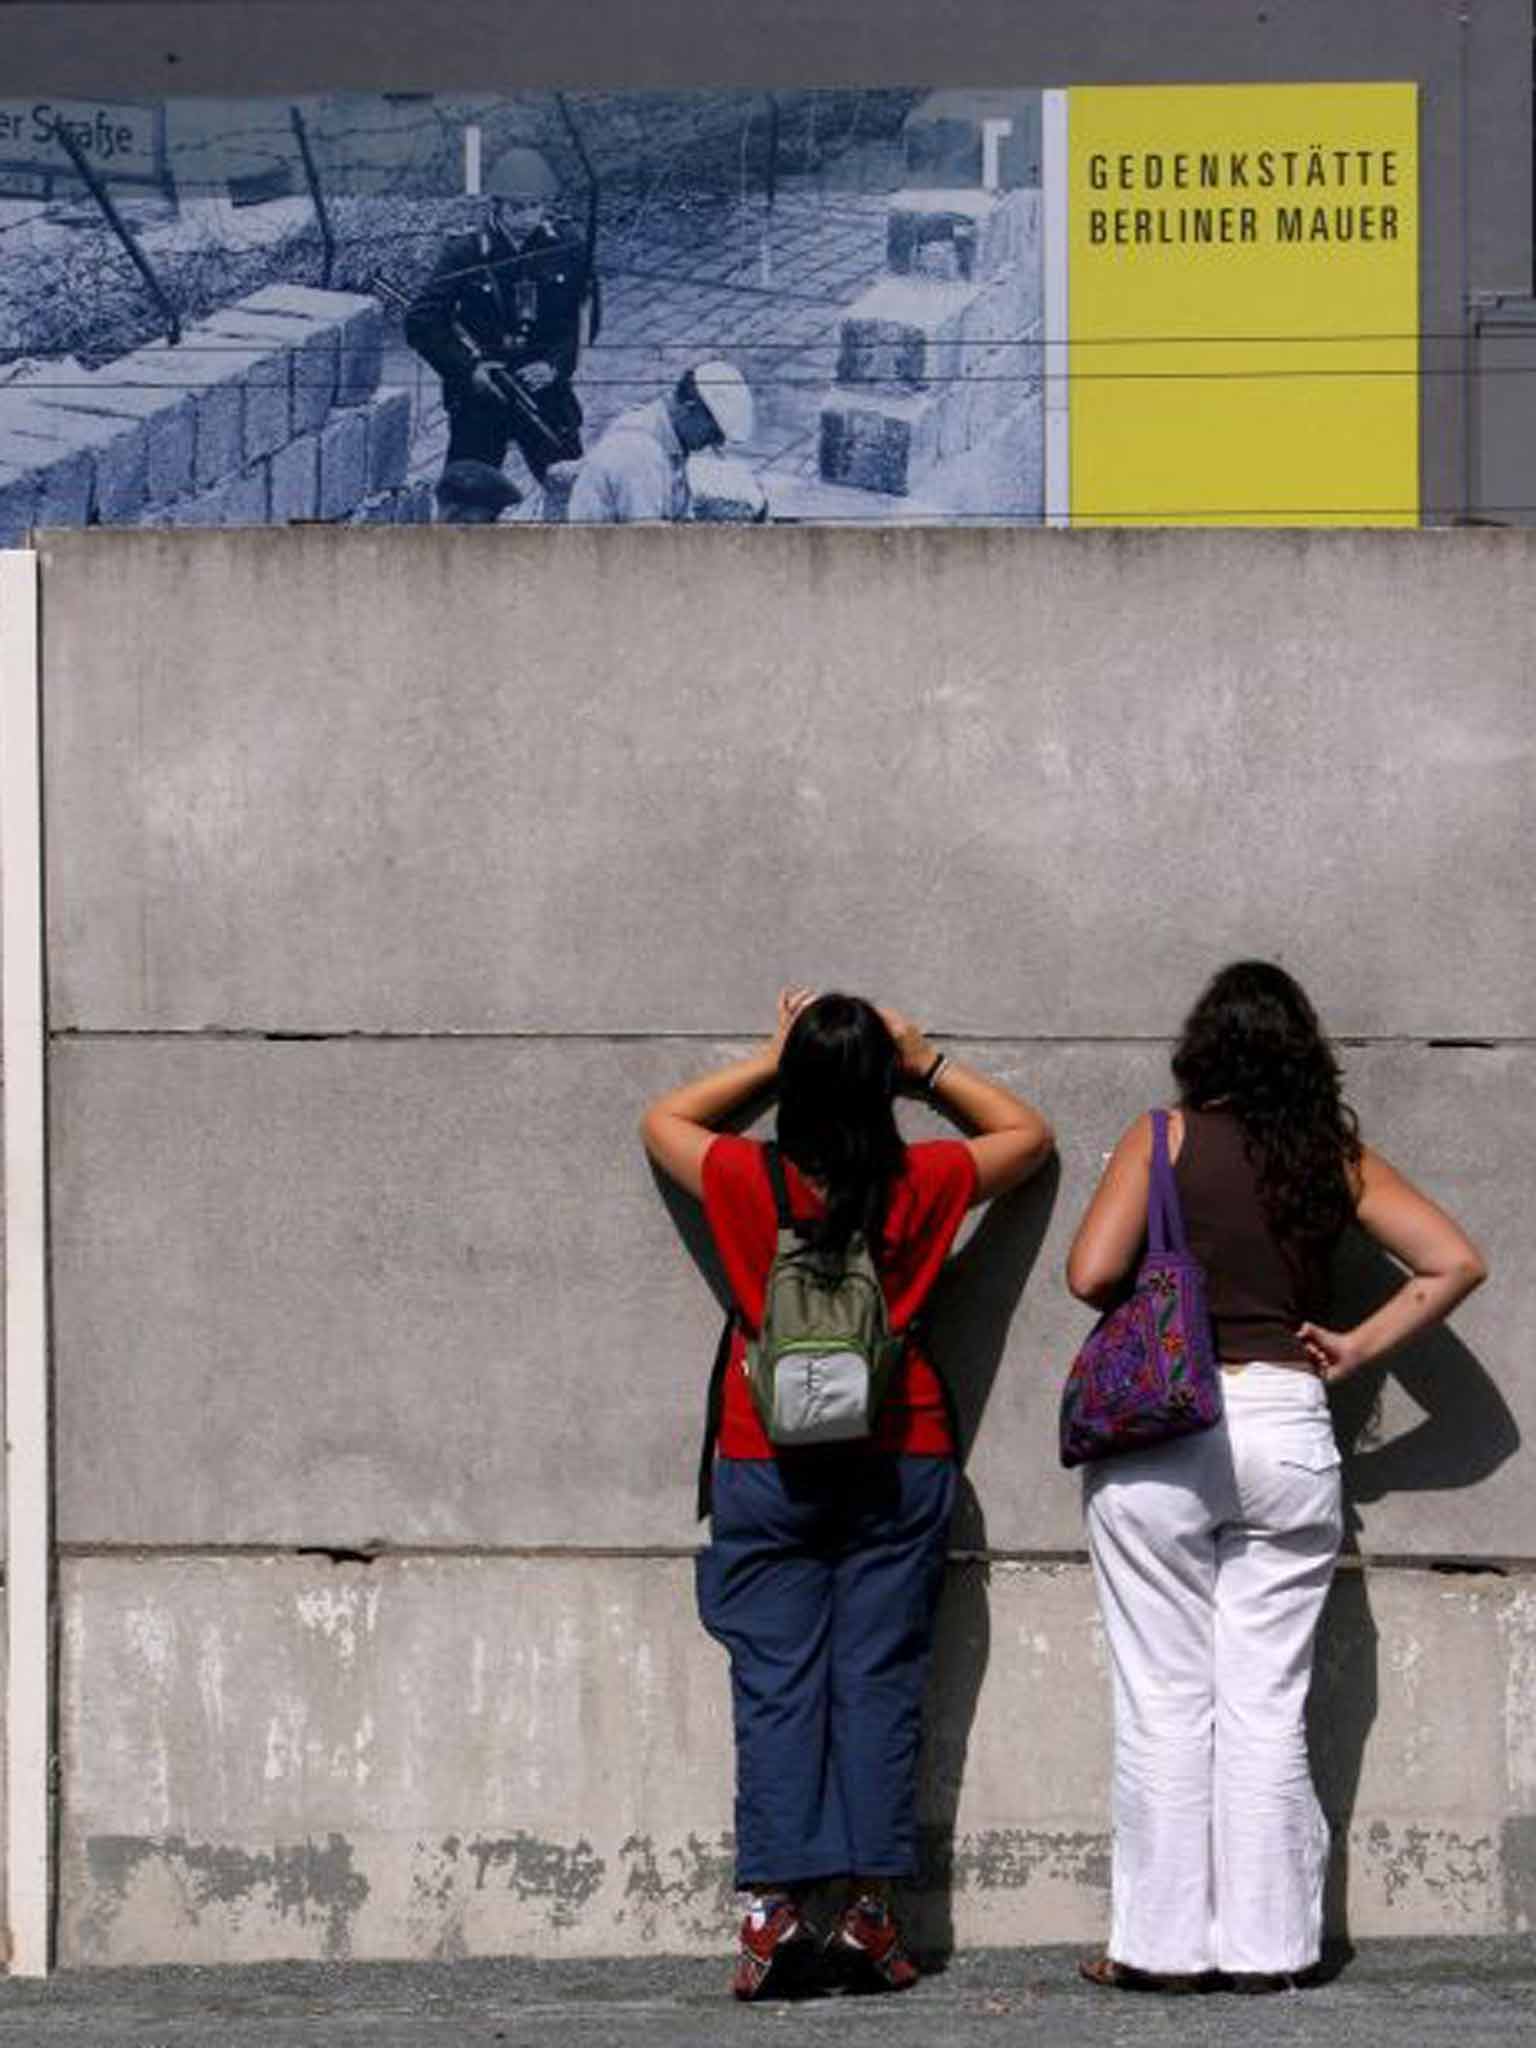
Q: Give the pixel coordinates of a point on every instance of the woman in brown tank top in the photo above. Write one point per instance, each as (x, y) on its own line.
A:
(1212, 1555)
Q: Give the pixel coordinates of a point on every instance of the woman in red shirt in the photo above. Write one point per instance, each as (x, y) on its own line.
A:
(823, 1571)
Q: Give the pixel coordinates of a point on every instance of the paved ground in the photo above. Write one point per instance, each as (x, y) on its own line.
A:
(1454, 1994)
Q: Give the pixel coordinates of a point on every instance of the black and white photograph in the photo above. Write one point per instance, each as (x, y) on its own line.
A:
(600, 307)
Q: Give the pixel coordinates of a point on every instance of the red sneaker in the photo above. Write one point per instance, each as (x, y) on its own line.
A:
(867, 1949)
(772, 1961)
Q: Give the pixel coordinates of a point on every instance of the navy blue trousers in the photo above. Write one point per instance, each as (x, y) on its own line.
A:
(822, 1580)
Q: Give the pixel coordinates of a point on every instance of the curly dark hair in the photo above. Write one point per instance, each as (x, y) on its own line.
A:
(837, 1091)
(1252, 1044)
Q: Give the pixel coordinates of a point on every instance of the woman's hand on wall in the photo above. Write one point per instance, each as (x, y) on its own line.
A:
(916, 1054)
(791, 1002)
(679, 1127)
(1011, 1139)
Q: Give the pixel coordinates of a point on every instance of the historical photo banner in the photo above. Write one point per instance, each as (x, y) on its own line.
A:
(1198, 304)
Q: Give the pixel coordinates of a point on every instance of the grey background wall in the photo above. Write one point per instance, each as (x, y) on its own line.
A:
(389, 875)
(1472, 59)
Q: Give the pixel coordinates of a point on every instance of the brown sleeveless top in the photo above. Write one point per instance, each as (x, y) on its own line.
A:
(1260, 1287)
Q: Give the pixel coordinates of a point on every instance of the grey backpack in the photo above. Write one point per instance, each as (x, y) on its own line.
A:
(820, 1364)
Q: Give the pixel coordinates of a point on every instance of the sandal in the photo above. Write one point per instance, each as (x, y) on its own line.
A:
(1112, 1976)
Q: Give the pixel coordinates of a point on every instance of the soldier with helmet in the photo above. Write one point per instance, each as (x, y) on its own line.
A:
(502, 319)
(639, 467)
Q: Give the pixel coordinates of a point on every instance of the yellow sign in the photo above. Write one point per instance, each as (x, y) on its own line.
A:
(1243, 305)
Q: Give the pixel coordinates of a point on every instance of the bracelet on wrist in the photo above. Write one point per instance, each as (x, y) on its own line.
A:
(931, 1079)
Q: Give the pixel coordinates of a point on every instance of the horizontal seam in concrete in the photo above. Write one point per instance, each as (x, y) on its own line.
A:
(241, 1034)
(1449, 1566)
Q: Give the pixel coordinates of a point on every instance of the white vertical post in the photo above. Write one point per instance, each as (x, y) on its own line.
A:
(472, 159)
(1054, 166)
(993, 130)
(29, 1672)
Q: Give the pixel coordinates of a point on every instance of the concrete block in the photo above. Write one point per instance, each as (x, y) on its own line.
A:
(167, 421)
(359, 323)
(18, 502)
(117, 449)
(343, 463)
(903, 331)
(209, 380)
(953, 238)
(336, 1276)
(881, 352)
(1002, 312)
(388, 414)
(924, 371)
(265, 418)
(964, 237)
(724, 490)
(479, 1204)
(241, 395)
(880, 442)
(1076, 699)
(236, 501)
(999, 474)
(61, 471)
(308, 347)
(362, 356)
(532, 1756)
(550, 1801)
(294, 474)
(967, 346)
(942, 138)
(306, 301)
(938, 236)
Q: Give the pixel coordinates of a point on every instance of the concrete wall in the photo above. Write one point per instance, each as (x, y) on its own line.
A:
(389, 874)
(456, 1756)
(1472, 59)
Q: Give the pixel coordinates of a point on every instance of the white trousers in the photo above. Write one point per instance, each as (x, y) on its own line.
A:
(1212, 1558)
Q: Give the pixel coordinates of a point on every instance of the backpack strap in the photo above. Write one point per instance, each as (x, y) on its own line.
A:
(713, 1404)
(775, 1165)
(917, 1331)
(715, 1400)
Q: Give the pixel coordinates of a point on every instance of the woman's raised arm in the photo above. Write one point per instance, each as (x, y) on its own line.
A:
(678, 1128)
(1115, 1221)
(1009, 1138)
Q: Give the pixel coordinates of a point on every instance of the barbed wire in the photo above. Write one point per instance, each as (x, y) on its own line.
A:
(605, 346)
(888, 388)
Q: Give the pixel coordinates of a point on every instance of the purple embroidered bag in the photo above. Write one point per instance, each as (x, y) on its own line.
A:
(1149, 1370)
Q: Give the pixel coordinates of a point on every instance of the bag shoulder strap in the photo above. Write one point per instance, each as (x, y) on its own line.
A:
(1165, 1218)
(775, 1165)
(714, 1403)
(917, 1332)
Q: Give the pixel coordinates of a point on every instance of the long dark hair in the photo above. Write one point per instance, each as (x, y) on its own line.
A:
(837, 1090)
(1252, 1045)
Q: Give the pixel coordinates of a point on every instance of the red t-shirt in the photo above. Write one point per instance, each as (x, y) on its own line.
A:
(925, 1208)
